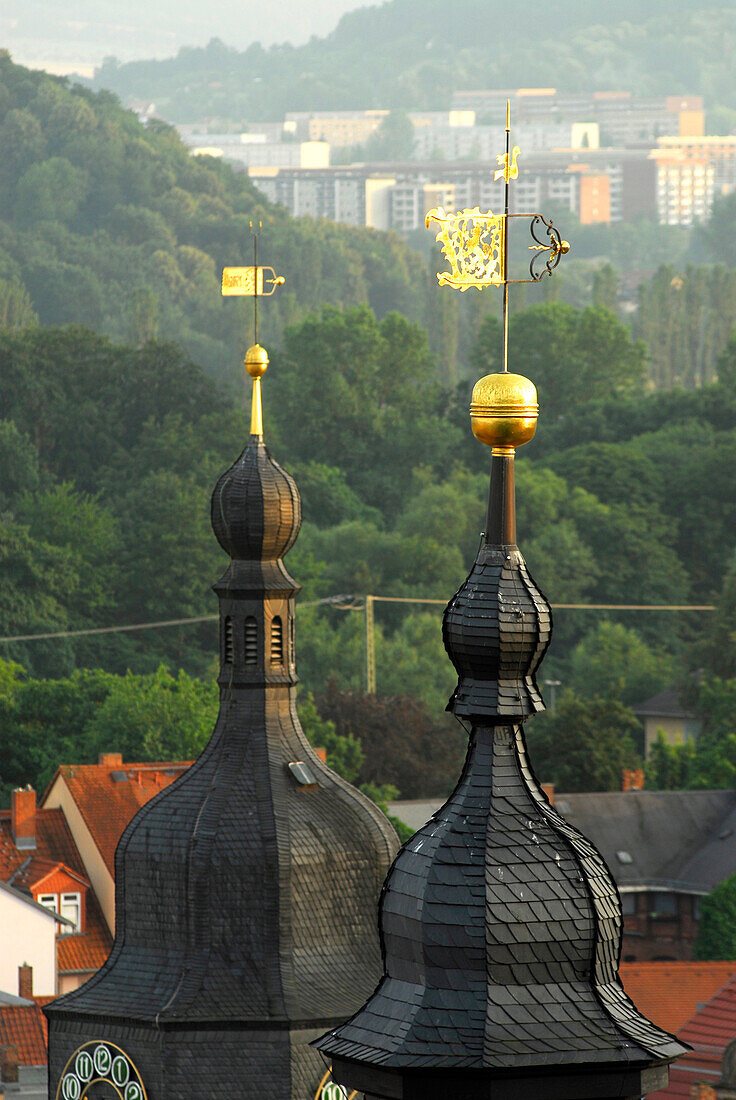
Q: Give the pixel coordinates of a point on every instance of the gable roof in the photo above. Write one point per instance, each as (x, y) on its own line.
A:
(109, 795)
(675, 838)
(666, 704)
(24, 1026)
(669, 993)
(54, 844)
(708, 1032)
(21, 870)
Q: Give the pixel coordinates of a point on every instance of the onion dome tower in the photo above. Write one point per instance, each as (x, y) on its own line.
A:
(247, 890)
(500, 923)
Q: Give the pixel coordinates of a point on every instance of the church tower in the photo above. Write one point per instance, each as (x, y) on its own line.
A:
(246, 892)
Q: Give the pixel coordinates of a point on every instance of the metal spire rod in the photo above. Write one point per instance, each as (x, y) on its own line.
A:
(255, 281)
(506, 240)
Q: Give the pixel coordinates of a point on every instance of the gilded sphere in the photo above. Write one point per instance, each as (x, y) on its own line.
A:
(504, 410)
(256, 361)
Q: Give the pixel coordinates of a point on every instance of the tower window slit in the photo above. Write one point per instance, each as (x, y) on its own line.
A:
(277, 641)
(227, 641)
(292, 653)
(251, 641)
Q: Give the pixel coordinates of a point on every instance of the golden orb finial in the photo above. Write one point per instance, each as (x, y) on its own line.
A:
(256, 361)
(503, 411)
(256, 364)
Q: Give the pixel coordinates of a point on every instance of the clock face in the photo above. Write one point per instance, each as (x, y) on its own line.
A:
(99, 1070)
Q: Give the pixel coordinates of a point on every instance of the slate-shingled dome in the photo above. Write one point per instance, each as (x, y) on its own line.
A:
(247, 891)
(500, 923)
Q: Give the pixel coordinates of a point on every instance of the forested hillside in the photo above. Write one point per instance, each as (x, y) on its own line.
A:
(415, 53)
(121, 400)
(109, 224)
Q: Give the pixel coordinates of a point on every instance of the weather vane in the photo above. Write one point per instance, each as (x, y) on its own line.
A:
(476, 244)
(250, 282)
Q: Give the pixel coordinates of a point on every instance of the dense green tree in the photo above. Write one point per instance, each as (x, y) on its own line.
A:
(614, 661)
(16, 308)
(585, 744)
(401, 744)
(344, 752)
(716, 937)
(573, 356)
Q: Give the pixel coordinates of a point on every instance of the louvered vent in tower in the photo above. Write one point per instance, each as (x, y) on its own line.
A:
(251, 641)
(227, 641)
(277, 642)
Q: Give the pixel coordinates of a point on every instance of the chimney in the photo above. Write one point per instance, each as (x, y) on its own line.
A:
(25, 981)
(23, 817)
(632, 779)
(9, 1063)
(110, 760)
(549, 790)
(322, 754)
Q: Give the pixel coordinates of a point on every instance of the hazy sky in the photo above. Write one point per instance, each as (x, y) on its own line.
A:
(76, 34)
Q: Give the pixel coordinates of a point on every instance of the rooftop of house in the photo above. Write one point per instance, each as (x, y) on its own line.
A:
(674, 840)
(669, 993)
(20, 867)
(110, 793)
(22, 870)
(24, 1027)
(666, 704)
(709, 1032)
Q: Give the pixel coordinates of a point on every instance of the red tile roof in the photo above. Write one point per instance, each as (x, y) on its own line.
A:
(708, 1032)
(109, 795)
(89, 949)
(669, 993)
(54, 844)
(24, 1026)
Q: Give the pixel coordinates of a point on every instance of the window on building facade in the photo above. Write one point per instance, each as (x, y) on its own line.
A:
(628, 904)
(662, 905)
(251, 641)
(49, 901)
(71, 908)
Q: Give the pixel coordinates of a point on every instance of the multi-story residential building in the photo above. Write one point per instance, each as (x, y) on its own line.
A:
(338, 128)
(599, 185)
(623, 119)
(255, 149)
(685, 187)
(719, 151)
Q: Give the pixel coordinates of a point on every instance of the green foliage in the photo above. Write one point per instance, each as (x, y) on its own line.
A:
(709, 764)
(384, 55)
(344, 752)
(685, 319)
(585, 745)
(401, 746)
(115, 225)
(716, 937)
(615, 661)
(575, 357)
(45, 723)
(155, 717)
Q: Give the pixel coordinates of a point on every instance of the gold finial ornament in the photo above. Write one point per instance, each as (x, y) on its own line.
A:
(249, 282)
(503, 411)
(256, 364)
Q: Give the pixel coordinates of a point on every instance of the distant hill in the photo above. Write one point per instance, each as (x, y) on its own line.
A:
(415, 53)
(47, 32)
(111, 224)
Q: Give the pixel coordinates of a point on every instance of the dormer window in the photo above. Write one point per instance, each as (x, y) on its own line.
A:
(277, 641)
(71, 908)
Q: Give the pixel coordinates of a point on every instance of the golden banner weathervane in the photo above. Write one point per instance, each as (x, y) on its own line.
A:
(476, 244)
